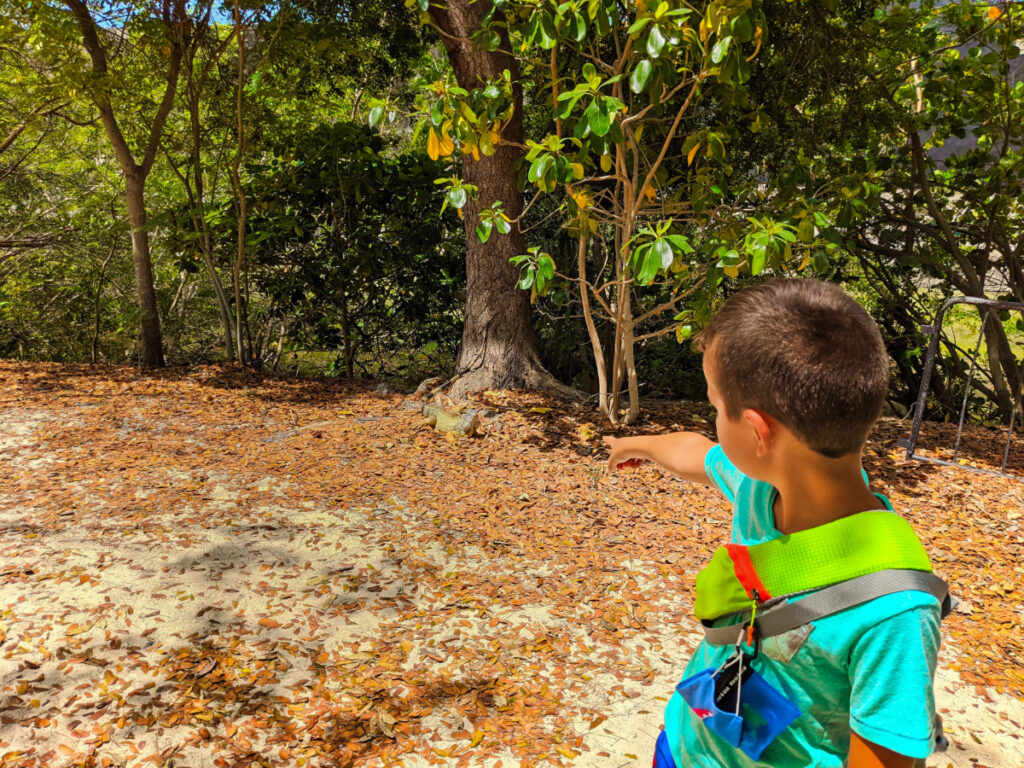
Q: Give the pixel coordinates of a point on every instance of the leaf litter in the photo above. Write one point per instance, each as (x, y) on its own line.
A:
(205, 566)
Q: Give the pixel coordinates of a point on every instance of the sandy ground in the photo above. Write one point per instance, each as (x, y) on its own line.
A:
(78, 605)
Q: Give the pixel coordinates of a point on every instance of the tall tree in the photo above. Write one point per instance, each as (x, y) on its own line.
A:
(201, 61)
(633, 155)
(168, 33)
(498, 347)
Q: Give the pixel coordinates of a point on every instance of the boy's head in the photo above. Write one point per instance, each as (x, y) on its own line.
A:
(805, 353)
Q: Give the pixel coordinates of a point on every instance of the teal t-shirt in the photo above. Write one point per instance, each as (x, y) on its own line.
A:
(868, 668)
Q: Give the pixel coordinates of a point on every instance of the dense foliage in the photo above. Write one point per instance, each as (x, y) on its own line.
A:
(673, 152)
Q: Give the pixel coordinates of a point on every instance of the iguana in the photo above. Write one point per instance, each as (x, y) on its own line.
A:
(464, 424)
(452, 420)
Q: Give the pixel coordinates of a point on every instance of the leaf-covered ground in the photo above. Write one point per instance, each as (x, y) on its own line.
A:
(203, 567)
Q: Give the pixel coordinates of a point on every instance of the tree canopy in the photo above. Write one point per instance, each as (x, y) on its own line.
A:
(309, 185)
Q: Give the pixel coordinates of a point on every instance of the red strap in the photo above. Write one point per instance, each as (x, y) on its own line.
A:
(745, 572)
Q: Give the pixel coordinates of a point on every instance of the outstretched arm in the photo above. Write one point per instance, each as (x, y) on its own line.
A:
(681, 453)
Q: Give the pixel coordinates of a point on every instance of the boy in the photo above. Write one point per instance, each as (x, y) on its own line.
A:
(798, 373)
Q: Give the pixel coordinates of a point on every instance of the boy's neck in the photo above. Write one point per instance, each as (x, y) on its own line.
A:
(820, 491)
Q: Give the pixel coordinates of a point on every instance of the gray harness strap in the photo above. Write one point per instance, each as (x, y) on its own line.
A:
(782, 616)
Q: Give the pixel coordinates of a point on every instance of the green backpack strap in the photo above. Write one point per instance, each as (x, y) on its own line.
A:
(844, 549)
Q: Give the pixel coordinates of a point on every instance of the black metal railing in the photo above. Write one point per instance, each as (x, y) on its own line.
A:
(987, 308)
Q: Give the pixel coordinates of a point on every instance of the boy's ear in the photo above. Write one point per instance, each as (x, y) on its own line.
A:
(764, 427)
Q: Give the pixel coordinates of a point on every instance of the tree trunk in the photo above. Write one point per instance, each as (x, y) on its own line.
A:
(588, 318)
(242, 341)
(135, 173)
(152, 352)
(199, 220)
(347, 340)
(498, 347)
(1002, 368)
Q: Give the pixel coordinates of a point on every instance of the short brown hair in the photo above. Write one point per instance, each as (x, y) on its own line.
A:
(806, 353)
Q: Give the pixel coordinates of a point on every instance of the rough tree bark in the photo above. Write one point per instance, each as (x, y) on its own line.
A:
(498, 346)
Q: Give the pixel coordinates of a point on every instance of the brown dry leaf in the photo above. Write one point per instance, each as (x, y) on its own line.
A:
(205, 668)
(245, 520)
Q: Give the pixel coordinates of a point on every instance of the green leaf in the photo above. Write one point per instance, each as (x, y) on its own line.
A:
(820, 261)
(720, 50)
(424, 5)
(641, 73)
(649, 267)
(758, 256)
(483, 231)
(714, 276)
(503, 225)
(546, 267)
(563, 170)
(486, 144)
(375, 115)
(598, 119)
(806, 230)
(539, 168)
(577, 27)
(638, 255)
(546, 30)
(615, 134)
(680, 243)
(437, 113)
(663, 250)
(742, 28)
(730, 257)
(457, 197)
(638, 25)
(655, 42)
(526, 281)
(567, 105)
(716, 146)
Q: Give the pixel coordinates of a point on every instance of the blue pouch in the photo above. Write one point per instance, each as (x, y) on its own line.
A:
(764, 712)
(663, 753)
(699, 692)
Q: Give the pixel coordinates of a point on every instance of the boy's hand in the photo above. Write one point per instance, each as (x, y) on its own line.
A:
(681, 453)
(621, 456)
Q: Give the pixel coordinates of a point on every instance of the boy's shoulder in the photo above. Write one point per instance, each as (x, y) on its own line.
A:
(890, 615)
(753, 521)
